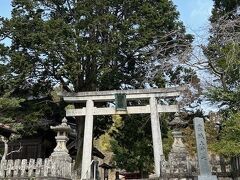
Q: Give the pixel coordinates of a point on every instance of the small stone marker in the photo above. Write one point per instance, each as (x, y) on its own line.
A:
(204, 166)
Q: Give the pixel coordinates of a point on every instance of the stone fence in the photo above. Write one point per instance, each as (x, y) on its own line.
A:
(40, 169)
(184, 167)
(191, 166)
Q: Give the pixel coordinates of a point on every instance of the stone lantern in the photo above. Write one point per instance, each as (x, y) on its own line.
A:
(176, 125)
(178, 157)
(61, 152)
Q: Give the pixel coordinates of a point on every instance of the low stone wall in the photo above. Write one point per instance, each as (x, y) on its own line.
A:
(180, 166)
(43, 169)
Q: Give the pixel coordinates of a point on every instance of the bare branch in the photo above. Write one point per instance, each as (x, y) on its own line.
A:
(16, 151)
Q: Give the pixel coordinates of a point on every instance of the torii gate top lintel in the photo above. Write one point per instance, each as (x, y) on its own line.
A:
(130, 94)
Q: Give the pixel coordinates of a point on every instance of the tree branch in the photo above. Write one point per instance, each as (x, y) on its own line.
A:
(16, 151)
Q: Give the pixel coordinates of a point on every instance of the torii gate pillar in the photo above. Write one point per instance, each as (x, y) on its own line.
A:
(156, 135)
(87, 141)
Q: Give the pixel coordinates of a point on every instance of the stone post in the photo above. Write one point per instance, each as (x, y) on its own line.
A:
(202, 152)
(156, 135)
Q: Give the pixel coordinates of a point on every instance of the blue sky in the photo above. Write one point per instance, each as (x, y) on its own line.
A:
(5, 8)
(194, 13)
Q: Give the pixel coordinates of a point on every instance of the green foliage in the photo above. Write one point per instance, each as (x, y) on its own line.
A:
(226, 65)
(8, 104)
(167, 143)
(190, 140)
(84, 46)
(132, 144)
(229, 144)
(223, 49)
(223, 7)
(229, 98)
(166, 133)
(88, 44)
(223, 53)
(26, 116)
(104, 143)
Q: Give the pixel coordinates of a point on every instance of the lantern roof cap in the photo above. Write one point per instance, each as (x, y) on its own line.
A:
(62, 127)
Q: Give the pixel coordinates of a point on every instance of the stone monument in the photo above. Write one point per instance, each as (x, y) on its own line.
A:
(202, 153)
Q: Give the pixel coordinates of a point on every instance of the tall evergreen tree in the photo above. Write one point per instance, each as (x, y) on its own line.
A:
(86, 45)
(223, 53)
(132, 145)
(223, 7)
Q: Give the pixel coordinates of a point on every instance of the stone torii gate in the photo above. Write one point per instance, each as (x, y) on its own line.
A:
(108, 96)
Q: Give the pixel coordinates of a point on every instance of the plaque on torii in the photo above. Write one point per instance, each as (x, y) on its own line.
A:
(121, 97)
